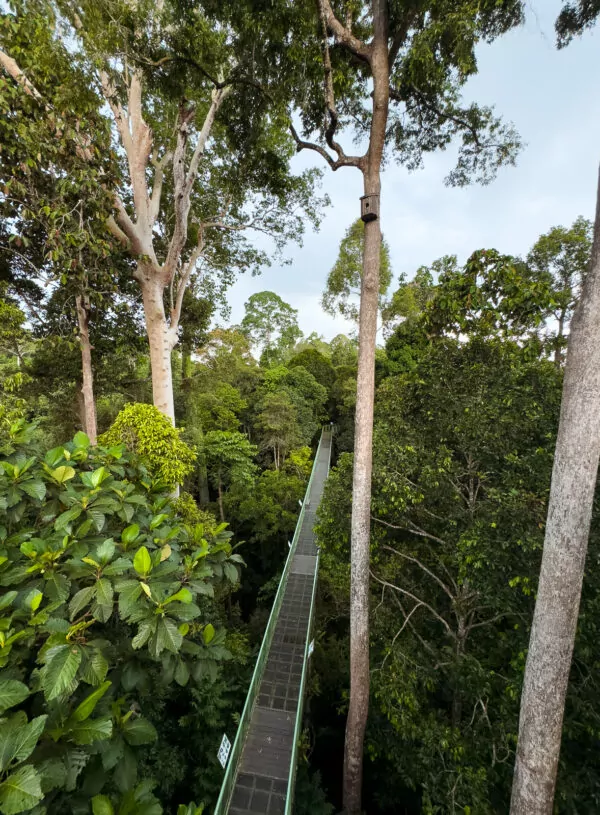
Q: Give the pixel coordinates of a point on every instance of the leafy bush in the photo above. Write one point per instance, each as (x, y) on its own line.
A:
(144, 430)
(102, 591)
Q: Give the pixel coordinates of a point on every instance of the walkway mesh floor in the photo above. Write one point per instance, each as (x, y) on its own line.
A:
(261, 783)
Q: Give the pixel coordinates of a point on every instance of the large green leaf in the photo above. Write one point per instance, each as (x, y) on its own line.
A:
(34, 488)
(18, 738)
(60, 669)
(167, 636)
(21, 791)
(182, 596)
(101, 805)
(99, 475)
(145, 631)
(103, 607)
(91, 730)
(139, 731)
(81, 440)
(62, 474)
(105, 551)
(65, 518)
(142, 562)
(94, 666)
(12, 693)
(86, 708)
(81, 600)
(130, 533)
(6, 599)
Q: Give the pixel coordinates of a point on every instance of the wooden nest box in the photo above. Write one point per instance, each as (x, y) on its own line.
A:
(369, 207)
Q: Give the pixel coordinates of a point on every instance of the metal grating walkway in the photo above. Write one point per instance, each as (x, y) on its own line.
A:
(266, 769)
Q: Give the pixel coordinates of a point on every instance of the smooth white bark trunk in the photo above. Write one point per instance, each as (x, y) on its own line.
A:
(569, 515)
(161, 344)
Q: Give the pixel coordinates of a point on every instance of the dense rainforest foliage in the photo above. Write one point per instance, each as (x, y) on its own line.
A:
(154, 455)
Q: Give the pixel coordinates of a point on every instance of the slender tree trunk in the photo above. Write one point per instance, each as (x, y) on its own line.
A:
(363, 440)
(160, 344)
(87, 388)
(220, 497)
(563, 561)
(203, 481)
(558, 353)
(186, 362)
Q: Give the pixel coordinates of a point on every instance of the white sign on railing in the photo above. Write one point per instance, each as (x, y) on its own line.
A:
(224, 749)
(311, 648)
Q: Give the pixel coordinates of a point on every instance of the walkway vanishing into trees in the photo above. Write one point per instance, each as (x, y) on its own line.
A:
(261, 773)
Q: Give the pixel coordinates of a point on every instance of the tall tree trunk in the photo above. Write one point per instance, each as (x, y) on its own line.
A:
(363, 441)
(563, 561)
(203, 481)
(186, 362)
(87, 389)
(160, 343)
(220, 498)
(558, 353)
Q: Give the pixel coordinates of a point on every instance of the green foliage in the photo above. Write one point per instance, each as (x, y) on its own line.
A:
(143, 429)
(270, 324)
(317, 364)
(561, 257)
(574, 18)
(102, 587)
(342, 293)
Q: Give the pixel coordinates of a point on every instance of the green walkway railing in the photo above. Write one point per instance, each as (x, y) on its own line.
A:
(244, 724)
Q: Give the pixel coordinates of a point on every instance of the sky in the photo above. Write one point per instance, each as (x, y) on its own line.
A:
(553, 99)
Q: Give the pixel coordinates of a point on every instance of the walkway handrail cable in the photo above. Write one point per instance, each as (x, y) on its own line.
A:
(242, 730)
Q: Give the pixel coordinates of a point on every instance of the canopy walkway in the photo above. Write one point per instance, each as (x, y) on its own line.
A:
(261, 773)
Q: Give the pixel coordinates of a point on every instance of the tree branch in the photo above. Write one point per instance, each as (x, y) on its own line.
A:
(449, 631)
(157, 186)
(423, 567)
(342, 35)
(11, 67)
(335, 164)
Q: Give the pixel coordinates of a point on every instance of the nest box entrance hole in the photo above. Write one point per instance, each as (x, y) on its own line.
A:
(369, 207)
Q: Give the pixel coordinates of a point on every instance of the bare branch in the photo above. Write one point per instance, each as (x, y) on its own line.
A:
(335, 164)
(185, 279)
(423, 567)
(438, 617)
(404, 624)
(184, 181)
(159, 173)
(399, 39)
(116, 231)
(490, 621)
(412, 528)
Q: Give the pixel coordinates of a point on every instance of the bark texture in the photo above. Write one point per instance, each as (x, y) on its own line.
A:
(363, 445)
(160, 344)
(87, 388)
(569, 515)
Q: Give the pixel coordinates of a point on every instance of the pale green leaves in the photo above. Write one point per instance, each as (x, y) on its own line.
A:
(101, 805)
(142, 562)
